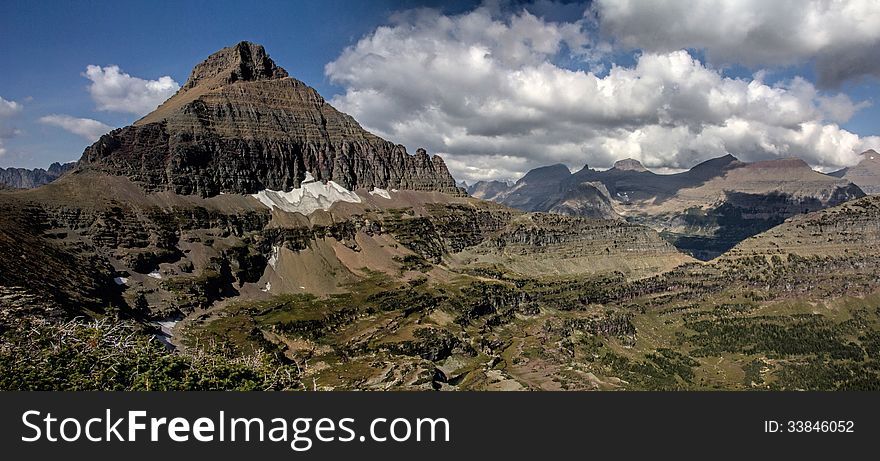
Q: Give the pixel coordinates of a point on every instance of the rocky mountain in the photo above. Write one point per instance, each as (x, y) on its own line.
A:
(241, 125)
(23, 178)
(866, 174)
(487, 190)
(549, 189)
(629, 164)
(589, 198)
(703, 211)
(537, 190)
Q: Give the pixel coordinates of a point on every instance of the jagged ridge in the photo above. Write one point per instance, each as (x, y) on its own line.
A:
(24, 178)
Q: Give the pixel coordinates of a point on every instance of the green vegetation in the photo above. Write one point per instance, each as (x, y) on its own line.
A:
(413, 263)
(191, 292)
(740, 324)
(774, 336)
(110, 355)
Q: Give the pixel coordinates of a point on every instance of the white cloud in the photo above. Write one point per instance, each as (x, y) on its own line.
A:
(484, 91)
(116, 91)
(87, 128)
(8, 110)
(842, 36)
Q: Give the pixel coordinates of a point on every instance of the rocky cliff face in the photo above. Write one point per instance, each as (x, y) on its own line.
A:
(850, 230)
(240, 124)
(23, 178)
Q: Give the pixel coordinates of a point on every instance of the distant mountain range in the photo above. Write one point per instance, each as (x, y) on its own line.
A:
(24, 178)
(703, 211)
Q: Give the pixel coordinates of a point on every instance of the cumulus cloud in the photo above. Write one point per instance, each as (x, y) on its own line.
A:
(116, 91)
(486, 91)
(8, 110)
(842, 36)
(87, 128)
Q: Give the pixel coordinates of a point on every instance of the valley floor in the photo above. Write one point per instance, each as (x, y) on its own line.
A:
(744, 324)
(750, 323)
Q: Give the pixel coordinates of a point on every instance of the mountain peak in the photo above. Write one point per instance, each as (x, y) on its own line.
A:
(866, 174)
(244, 61)
(629, 164)
(870, 154)
(716, 164)
(549, 173)
(241, 125)
(782, 163)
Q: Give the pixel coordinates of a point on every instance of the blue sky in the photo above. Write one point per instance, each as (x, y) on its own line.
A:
(52, 42)
(47, 47)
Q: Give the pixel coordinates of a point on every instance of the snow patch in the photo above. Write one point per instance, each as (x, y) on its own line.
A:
(267, 287)
(155, 274)
(273, 259)
(313, 195)
(381, 193)
(167, 325)
(121, 280)
(166, 331)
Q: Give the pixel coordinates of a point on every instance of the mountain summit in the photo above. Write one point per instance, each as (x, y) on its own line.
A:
(629, 164)
(241, 125)
(245, 61)
(866, 174)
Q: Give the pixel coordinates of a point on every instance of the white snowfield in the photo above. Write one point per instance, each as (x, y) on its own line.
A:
(312, 196)
(381, 193)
